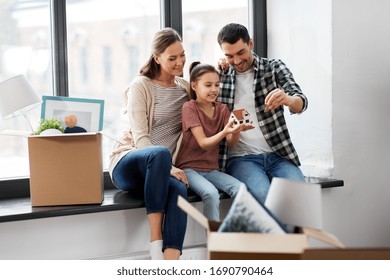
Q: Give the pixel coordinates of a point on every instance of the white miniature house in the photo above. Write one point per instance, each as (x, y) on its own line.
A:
(240, 116)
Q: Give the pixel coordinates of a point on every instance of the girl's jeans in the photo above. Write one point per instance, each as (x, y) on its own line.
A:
(207, 184)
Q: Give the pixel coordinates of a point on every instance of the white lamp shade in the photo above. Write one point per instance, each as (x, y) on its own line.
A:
(295, 203)
(16, 94)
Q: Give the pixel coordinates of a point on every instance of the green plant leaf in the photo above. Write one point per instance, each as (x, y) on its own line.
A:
(49, 123)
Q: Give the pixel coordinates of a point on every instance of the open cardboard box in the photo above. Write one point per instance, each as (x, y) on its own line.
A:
(239, 245)
(66, 169)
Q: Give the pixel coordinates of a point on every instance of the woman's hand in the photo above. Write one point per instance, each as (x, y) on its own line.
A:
(223, 65)
(179, 175)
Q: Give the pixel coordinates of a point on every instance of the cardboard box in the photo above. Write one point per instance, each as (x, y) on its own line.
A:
(347, 254)
(258, 246)
(66, 169)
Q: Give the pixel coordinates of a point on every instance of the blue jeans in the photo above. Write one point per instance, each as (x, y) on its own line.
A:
(257, 171)
(207, 184)
(146, 172)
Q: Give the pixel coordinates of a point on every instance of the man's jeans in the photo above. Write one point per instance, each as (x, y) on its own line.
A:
(257, 171)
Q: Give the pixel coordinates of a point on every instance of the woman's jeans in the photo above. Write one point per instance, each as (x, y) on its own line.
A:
(257, 171)
(146, 172)
(207, 184)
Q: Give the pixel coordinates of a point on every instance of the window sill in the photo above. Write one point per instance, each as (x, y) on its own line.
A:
(19, 208)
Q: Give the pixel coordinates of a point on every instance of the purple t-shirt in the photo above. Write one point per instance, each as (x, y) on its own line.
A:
(191, 155)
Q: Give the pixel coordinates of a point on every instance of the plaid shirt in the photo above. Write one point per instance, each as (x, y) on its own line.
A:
(269, 74)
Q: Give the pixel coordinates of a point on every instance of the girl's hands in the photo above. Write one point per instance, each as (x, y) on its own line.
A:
(232, 128)
(233, 132)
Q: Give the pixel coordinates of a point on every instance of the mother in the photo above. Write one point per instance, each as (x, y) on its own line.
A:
(143, 162)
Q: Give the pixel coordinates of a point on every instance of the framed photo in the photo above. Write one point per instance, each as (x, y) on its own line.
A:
(80, 113)
(248, 215)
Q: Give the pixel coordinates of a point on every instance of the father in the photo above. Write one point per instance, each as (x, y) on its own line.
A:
(263, 87)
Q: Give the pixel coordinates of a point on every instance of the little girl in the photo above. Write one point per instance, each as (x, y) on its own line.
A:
(205, 123)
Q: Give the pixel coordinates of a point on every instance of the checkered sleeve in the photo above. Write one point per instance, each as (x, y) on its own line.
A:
(286, 80)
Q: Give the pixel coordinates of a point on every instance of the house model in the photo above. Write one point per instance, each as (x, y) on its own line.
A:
(240, 116)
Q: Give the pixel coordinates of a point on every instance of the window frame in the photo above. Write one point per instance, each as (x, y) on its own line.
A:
(59, 47)
(170, 16)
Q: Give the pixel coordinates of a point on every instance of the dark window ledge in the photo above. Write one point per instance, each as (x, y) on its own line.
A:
(17, 205)
(325, 182)
(17, 209)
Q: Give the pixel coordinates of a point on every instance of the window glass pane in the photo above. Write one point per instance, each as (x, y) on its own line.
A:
(25, 48)
(202, 21)
(300, 44)
(106, 48)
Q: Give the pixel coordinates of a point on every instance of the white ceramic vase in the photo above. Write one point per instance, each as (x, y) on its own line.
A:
(51, 131)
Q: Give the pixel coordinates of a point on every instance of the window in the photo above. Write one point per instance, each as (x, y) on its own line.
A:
(107, 65)
(107, 41)
(133, 61)
(25, 48)
(114, 35)
(202, 21)
(303, 41)
(84, 65)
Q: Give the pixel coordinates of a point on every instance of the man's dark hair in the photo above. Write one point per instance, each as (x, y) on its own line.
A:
(233, 32)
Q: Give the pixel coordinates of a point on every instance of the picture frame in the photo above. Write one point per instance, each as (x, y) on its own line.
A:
(88, 113)
(246, 214)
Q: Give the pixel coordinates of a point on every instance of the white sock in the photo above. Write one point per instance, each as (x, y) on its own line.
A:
(155, 250)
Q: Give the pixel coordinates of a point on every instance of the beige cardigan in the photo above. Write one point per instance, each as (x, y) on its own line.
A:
(140, 108)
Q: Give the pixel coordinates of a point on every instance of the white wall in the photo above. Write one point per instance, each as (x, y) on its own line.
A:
(359, 86)
(360, 213)
(75, 237)
(122, 234)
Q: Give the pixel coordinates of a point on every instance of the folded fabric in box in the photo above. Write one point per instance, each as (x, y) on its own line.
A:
(248, 215)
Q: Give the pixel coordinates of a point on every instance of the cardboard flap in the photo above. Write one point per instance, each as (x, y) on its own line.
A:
(323, 236)
(250, 242)
(66, 135)
(193, 212)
